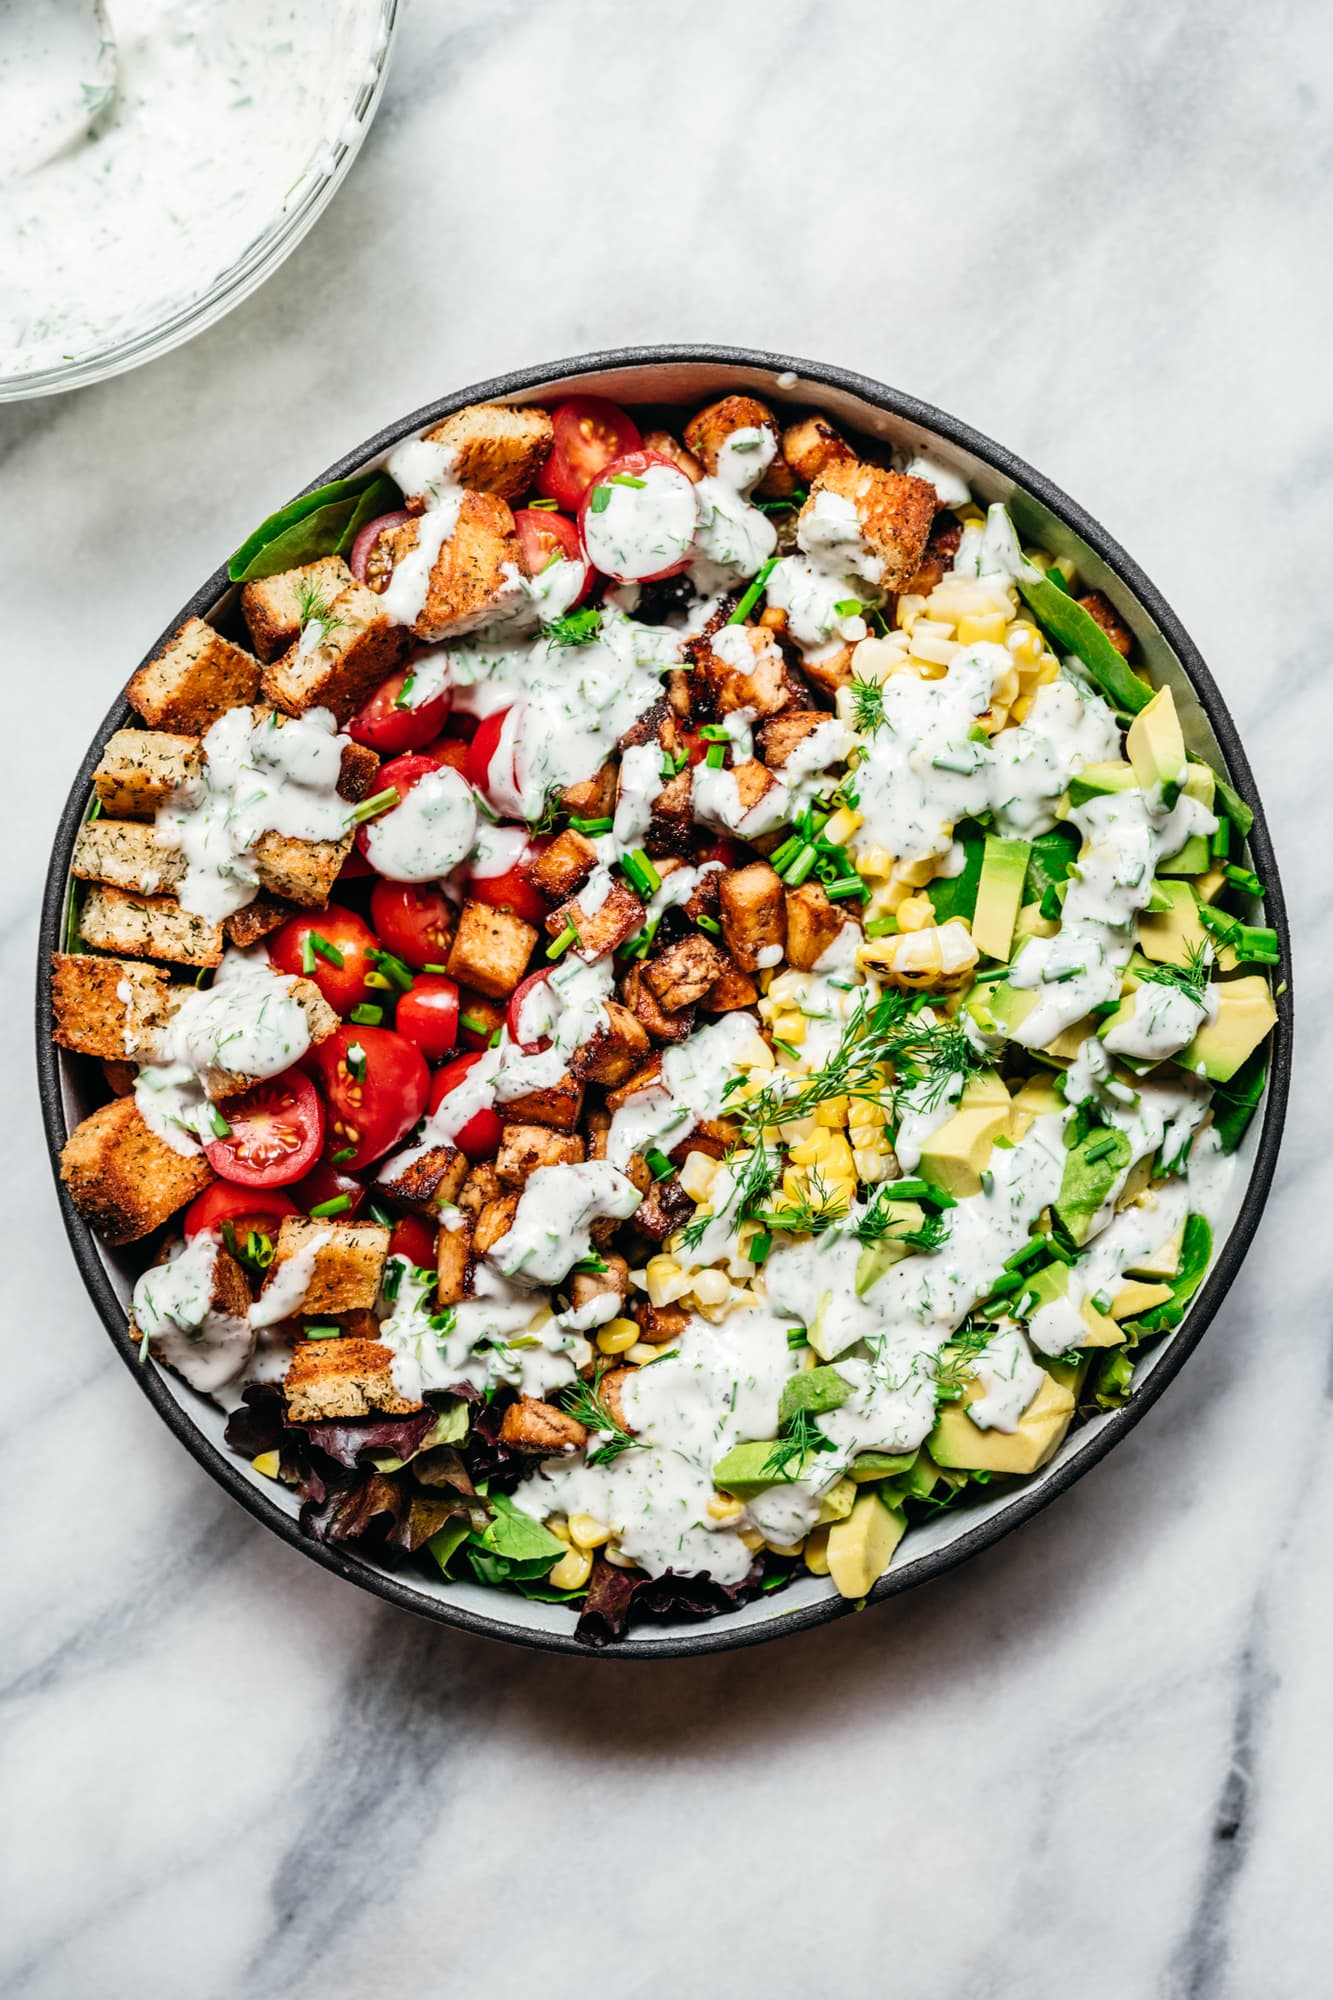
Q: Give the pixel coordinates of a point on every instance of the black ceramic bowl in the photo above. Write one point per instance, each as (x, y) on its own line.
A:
(686, 377)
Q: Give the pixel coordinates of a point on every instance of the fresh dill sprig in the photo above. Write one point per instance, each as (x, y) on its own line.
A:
(877, 1223)
(817, 1210)
(1190, 978)
(314, 607)
(583, 1401)
(964, 1345)
(800, 1436)
(867, 702)
(577, 628)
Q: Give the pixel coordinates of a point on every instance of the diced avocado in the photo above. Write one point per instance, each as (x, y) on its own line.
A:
(1195, 857)
(1091, 1171)
(1208, 887)
(1136, 1296)
(831, 1330)
(1171, 937)
(1004, 870)
(999, 1008)
(923, 1476)
(1031, 923)
(1159, 900)
(814, 1390)
(747, 1468)
(861, 1548)
(1164, 1261)
(956, 1441)
(1100, 1329)
(837, 1503)
(1124, 1013)
(1245, 1014)
(1071, 1374)
(1156, 748)
(953, 1157)
(1136, 1180)
(868, 1465)
(1095, 780)
(1037, 1098)
(1070, 1040)
(889, 1249)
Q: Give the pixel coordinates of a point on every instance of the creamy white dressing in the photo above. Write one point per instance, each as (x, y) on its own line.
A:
(288, 1282)
(173, 1306)
(243, 1027)
(692, 1086)
(1160, 1020)
(951, 489)
(558, 1205)
(733, 540)
(430, 832)
(928, 765)
(830, 533)
(646, 526)
(1008, 1379)
(819, 605)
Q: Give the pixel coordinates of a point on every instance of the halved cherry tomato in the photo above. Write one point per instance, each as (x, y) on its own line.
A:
(511, 890)
(482, 749)
(376, 1084)
(244, 1208)
(327, 1182)
(414, 921)
(339, 931)
(589, 433)
(629, 472)
(544, 538)
(401, 773)
(359, 554)
(428, 1015)
(694, 746)
(479, 1138)
(414, 1239)
(277, 1129)
(386, 727)
(515, 1014)
(729, 852)
(478, 1019)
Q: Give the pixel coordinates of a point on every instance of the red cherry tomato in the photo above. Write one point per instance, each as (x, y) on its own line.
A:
(695, 747)
(340, 931)
(389, 729)
(414, 921)
(414, 1239)
(630, 470)
(277, 1129)
(589, 433)
(374, 1097)
(428, 1015)
(515, 1013)
(244, 1208)
(482, 749)
(729, 852)
(355, 867)
(479, 1138)
(327, 1182)
(545, 537)
(478, 1019)
(401, 773)
(511, 890)
(359, 553)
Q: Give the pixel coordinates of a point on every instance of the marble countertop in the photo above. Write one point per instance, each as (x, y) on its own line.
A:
(1094, 1761)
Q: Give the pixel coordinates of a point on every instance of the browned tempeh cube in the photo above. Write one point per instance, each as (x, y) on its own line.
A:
(649, 1012)
(1102, 612)
(754, 920)
(612, 1283)
(643, 1079)
(524, 1148)
(730, 991)
(610, 1054)
(744, 667)
(494, 1221)
(558, 1106)
(812, 924)
(424, 1184)
(660, 1325)
(453, 1256)
(564, 867)
(683, 973)
(810, 445)
(785, 733)
(619, 916)
(490, 950)
(529, 1425)
(595, 797)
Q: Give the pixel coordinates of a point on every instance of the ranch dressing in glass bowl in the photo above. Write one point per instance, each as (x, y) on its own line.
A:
(172, 152)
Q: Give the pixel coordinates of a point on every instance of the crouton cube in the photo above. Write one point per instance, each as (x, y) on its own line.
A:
(595, 797)
(358, 771)
(754, 921)
(564, 867)
(730, 991)
(812, 925)
(811, 445)
(941, 549)
(453, 1260)
(257, 920)
(558, 1106)
(612, 1283)
(125, 853)
(671, 447)
(524, 1148)
(140, 768)
(339, 658)
(122, 1178)
(490, 950)
(649, 1012)
(1102, 612)
(275, 608)
(476, 573)
(302, 871)
(494, 447)
(894, 511)
(108, 1007)
(786, 733)
(619, 916)
(708, 430)
(343, 1379)
(494, 1221)
(683, 973)
(425, 1183)
(609, 1055)
(147, 927)
(529, 1425)
(195, 678)
(343, 1274)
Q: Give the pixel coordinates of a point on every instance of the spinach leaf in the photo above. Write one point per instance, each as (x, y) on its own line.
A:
(1077, 632)
(517, 1538)
(446, 1540)
(956, 895)
(322, 523)
(1053, 855)
(1195, 1255)
(1236, 1101)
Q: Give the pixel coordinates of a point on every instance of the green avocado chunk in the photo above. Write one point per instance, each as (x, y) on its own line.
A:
(1004, 871)
(749, 1468)
(814, 1390)
(1091, 1171)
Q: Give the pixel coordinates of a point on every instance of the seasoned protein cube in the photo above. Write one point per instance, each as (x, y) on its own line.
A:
(558, 1106)
(812, 925)
(140, 768)
(524, 1148)
(340, 657)
(649, 1012)
(196, 677)
(745, 668)
(108, 1007)
(147, 927)
(754, 921)
(811, 445)
(126, 854)
(345, 1270)
(276, 607)
(672, 824)
(426, 1182)
(786, 733)
(618, 917)
(453, 1260)
(476, 572)
(595, 797)
(490, 950)
(730, 991)
(343, 1378)
(941, 549)
(564, 867)
(894, 513)
(494, 447)
(663, 1210)
(646, 1078)
(661, 1326)
(672, 448)
(495, 1220)
(683, 973)
(613, 1051)
(708, 430)
(122, 1178)
(529, 1425)
(754, 782)
(612, 1283)
(481, 1186)
(1102, 612)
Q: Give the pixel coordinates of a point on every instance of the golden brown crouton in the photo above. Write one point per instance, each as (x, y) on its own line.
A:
(108, 1007)
(785, 733)
(812, 925)
(343, 1378)
(490, 950)
(595, 797)
(648, 1010)
(754, 921)
(671, 447)
(301, 871)
(730, 991)
(342, 654)
(495, 1220)
(529, 1425)
(619, 916)
(494, 447)
(895, 514)
(426, 1183)
(811, 445)
(453, 1257)
(275, 608)
(147, 927)
(612, 1052)
(708, 430)
(1101, 610)
(524, 1148)
(564, 867)
(140, 768)
(196, 677)
(683, 973)
(474, 572)
(258, 919)
(125, 853)
(344, 1272)
(743, 667)
(557, 1106)
(612, 1283)
(124, 1179)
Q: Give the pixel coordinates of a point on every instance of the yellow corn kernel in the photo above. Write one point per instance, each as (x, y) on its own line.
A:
(838, 1157)
(816, 1552)
(665, 1281)
(723, 1507)
(617, 1336)
(698, 1174)
(875, 862)
(617, 1559)
(864, 1113)
(915, 913)
(808, 1152)
(843, 825)
(872, 1166)
(752, 1539)
(712, 1288)
(587, 1532)
(572, 1571)
(911, 606)
(640, 1354)
(1025, 643)
(558, 1526)
(832, 1112)
(267, 1463)
(988, 628)
(785, 1548)
(934, 652)
(916, 874)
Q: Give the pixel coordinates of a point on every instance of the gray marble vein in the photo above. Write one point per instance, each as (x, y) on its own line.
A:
(1095, 1762)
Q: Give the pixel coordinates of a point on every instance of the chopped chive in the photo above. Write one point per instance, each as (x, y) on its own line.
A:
(709, 924)
(788, 1049)
(1100, 1148)
(759, 1249)
(716, 757)
(753, 594)
(881, 927)
(713, 732)
(601, 499)
(337, 1204)
(846, 885)
(393, 1280)
(322, 1332)
(659, 1165)
(987, 1179)
(590, 827)
(327, 951)
(494, 1038)
(380, 1215)
(1220, 844)
(558, 946)
(371, 808)
(795, 873)
(307, 955)
(798, 1336)
(393, 969)
(625, 479)
(403, 698)
(590, 1267)
(356, 1061)
(545, 505)
(366, 1015)
(847, 607)
(1243, 878)
(473, 1023)
(343, 1154)
(641, 872)
(377, 982)
(434, 968)
(788, 851)
(220, 1128)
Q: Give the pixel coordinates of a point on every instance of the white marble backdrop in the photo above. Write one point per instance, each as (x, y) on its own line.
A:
(1095, 1763)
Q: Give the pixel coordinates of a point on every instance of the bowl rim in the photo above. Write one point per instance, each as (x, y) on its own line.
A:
(718, 1634)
